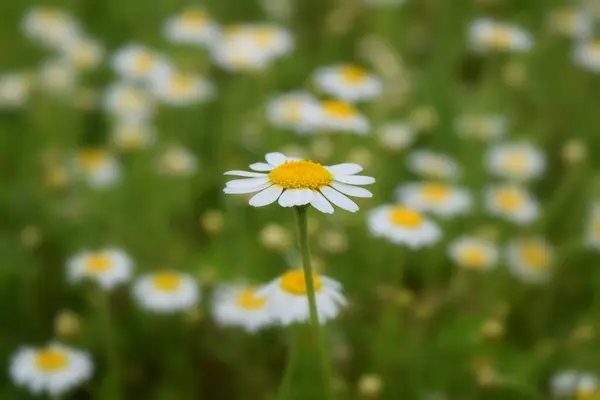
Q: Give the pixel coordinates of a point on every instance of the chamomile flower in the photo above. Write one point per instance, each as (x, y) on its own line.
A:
(340, 117)
(191, 26)
(488, 35)
(124, 100)
(97, 167)
(298, 111)
(177, 161)
(403, 225)
(138, 63)
(530, 259)
(108, 267)
(482, 126)
(587, 55)
(297, 182)
(574, 384)
(238, 305)
(57, 77)
(83, 53)
(15, 89)
(166, 292)
(181, 89)
(50, 27)
(396, 136)
(438, 198)
(131, 134)
(433, 165)
(350, 83)
(516, 161)
(473, 253)
(53, 370)
(593, 229)
(287, 298)
(512, 202)
(571, 22)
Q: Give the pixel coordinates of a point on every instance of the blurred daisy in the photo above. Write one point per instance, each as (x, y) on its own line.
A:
(339, 116)
(137, 62)
(83, 53)
(433, 165)
(482, 126)
(473, 253)
(587, 55)
(15, 89)
(127, 101)
(53, 370)
(593, 229)
(295, 110)
(396, 136)
(296, 182)
(486, 35)
(287, 298)
(98, 167)
(50, 26)
(237, 305)
(192, 26)
(530, 259)
(133, 134)
(516, 161)
(57, 77)
(350, 83)
(181, 89)
(403, 225)
(177, 161)
(574, 384)
(438, 198)
(511, 202)
(166, 292)
(108, 267)
(571, 22)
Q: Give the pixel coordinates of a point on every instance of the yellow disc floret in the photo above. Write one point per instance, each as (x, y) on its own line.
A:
(293, 282)
(301, 175)
(91, 159)
(167, 281)
(353, 74)
(193, 18)
(435, 192)
(509, 199)
(51, 360)
(339, 109)
(473, 257)
(248, 300)
(535, 256)
(406, 217)
(98, 263)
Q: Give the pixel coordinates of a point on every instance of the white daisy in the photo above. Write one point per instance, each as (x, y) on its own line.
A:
(50, 27)
(15, 89)
(396, 136)
(181, 89)
(486, 35)
(295, 110)
(57, 77)
(403, 225)
(574, 384)
(53, 370)
(177, 161)
(516, 161)
(571, 22)
(512, 202)
(339, 116)
(132, 134)
(139, 63)
(587, 55)
(433, 165)
(238, 305)
(473, 253)
(191, 26)
(350, 83)
(438, 198)
(482, 126)
(530, 259)
(109, 267)
(296, 182)
(127, 101)
(166, 292)
(287, 299)
(99, 168)
(83, 53)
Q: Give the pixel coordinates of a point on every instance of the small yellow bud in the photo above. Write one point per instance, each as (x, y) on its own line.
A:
(404, 298)
(207, 275)
(369, 385)
(322, 148)
(276, 237)
(66, 325)
(574, 151)
(424, 118)
(333, 241)
(492, 329)
(31, 236)
(485, 374)
(212, 221)
(361, 155)
(515, 74)
(581, 334)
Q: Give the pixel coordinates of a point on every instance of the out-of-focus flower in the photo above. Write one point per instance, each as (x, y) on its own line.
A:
(488, 35)
(492, 329)
(67, 325)
(587, 55)
(15, 88)
(298, 111)
(516, 161)
(177, 161)
(424, 118)
(437, 198)
(515, 73)
(166, 292)
(396, 136)
(369, 385)
(349, 83)
(99, 168)
(403, 225)
(322, 147)
(574, 151)
(57, 77)
(593, 228)
(31, 236)
(136, 62)
(340, 117)
(482, 126)
(212, 221)
(433, 165)
(473, 253)
(530, 259)
(108, 267)
(50, 27)
(276, 237)
(512, 202)
(191, 26)
(83, 53)
(181, 89)
(131, 134)
(571, 22)
(127, 101)
(574, 384)
(361, 155)
(239, 305)
(333, 241)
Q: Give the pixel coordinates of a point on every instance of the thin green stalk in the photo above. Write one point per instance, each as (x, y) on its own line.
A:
(312, 303)
(112, 357)
(286, 382)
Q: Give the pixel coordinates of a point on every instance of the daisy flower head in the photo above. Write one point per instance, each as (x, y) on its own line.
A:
(57, 77)
(287, 298)
(15, 89)
(396, 136)
(53, 370)
(488, 35)
(516, 161)
(298, 111)
(181, 89)
(97, 167)
(130, 134)
(401, 224)
(83, 53)
(166, 292)
(574, 384)
(433, 165)
(192, 26)
(124, 100)
(139, 63)
(350, 83)
(587, 55)
(530, 259)
(296, 182)
(440, 199)
(482, 126)
(571, 22)
(512, 202)
(338, 116)
(108, 267)
(473, 253)
(50, 27)
(177, 160)
(593, 230)
(239, 305)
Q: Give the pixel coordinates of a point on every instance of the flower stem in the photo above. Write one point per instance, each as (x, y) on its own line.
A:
(112, 357)
(286, 381)
(312, 302)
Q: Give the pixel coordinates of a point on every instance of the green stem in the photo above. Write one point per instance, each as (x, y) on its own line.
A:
(312, 303)
(286, 381)
(112, 358)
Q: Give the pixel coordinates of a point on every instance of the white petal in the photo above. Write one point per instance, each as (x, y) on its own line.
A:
(345, 169)
(245, 173)
(320, 203)
(247, 183)
(275, 159)
(339, 199)
(355, 179)
(289, 198)
(265, 197)
(243, 190)
(305, 196)
(261, 166)
(351, 190)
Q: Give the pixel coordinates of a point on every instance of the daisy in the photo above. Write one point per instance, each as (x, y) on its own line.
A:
(574, 384)
(15, 88)
(487, 35)
(133, 134)
(57, 77)
(516, 161)
(127, 101)
(238, 305)
(181, 89)
(350, 83)
(287, 298)
(297, 182)
(572, 23)
(482, 126)
(83, 53)
(587, 55)
(53, 370)
(139, 63)
(530, 259)
(473, 253)
(512, 202)
(298, 111)
(166, 292)
(438, 198)
(177, 161)
(339, 116)
(396, 136)
(191, 26)
(98, 167)
(433, 165)
(50, 27)
(108, 267)
(403, 225)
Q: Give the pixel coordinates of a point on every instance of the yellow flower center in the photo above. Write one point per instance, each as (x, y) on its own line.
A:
(51, 360)
(193, 18)
(249, 301)
(473, 257)
(84, 56)
(167, 282)
(353, 74)
(516, 162)
(509, 199)
(293, 282)
(339, 109)
(406, 217)
(91, 159)
(130, 99)
(536, 257)
(500, 38)
(181, 84)
(587, 394)
(264, 36)
(175, 161)
(300, 175)
(596, 227)
(143, 63)
(130, 137)
(98, 263)
(292, 111)
(595, 48)
(435, 192)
